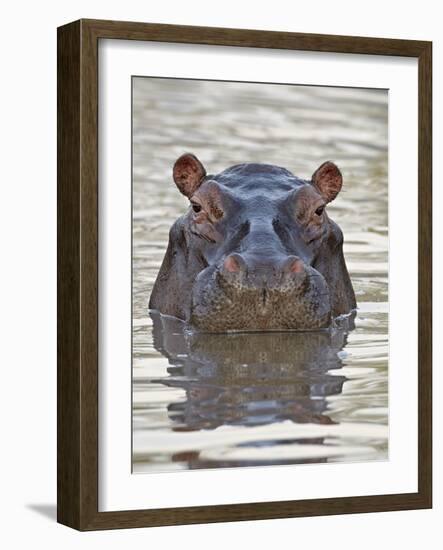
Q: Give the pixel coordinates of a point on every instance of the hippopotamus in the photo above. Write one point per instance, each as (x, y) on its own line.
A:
(255, 251)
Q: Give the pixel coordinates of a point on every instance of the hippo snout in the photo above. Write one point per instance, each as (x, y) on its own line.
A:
(240, 272)
(243, 293)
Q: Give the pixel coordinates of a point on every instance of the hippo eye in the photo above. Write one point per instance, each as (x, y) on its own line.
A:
(319, 210)
(196, 207)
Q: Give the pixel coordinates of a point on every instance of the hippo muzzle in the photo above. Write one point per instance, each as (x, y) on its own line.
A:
(288, 295)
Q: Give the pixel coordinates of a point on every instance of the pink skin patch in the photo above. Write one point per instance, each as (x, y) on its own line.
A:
(296, 266)
(231, 264)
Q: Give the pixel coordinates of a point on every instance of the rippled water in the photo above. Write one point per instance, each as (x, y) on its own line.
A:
(206, 401)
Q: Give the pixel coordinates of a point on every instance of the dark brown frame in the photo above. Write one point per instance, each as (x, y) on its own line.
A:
(77, 409)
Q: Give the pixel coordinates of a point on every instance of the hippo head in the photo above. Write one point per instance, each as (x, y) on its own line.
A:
(256, 250)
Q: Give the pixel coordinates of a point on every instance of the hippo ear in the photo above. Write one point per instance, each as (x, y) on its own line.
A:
(188, 173)
(328, 180)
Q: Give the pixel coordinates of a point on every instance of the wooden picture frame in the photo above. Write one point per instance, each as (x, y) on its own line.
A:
(77, 455)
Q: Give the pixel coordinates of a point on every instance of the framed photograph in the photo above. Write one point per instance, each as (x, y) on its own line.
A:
(244, 274)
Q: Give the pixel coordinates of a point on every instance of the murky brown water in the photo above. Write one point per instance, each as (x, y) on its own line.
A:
(205, 401)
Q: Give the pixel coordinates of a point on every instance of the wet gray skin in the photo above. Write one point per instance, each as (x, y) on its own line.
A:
(255, 251)
(249, 379)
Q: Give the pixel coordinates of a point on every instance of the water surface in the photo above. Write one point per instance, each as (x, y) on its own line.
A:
(207, 401)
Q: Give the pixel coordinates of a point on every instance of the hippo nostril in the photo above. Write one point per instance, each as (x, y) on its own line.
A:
(293, 264)
(234, 263)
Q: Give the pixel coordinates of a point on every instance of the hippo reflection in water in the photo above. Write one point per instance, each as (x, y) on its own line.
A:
(256, 250)
(249, 378)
